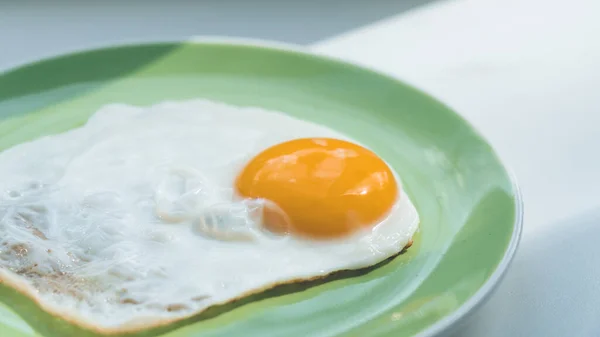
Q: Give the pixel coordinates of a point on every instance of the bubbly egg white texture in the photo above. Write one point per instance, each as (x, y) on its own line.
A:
(132, 218)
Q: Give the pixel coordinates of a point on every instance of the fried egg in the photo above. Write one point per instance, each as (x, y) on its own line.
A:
(147, 215)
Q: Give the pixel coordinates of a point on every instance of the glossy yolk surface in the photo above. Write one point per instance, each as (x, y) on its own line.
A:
(328, 188)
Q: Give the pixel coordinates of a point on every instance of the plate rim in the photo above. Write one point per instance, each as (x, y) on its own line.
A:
(489, 286)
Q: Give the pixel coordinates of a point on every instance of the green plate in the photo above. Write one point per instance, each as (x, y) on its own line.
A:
(469, 206)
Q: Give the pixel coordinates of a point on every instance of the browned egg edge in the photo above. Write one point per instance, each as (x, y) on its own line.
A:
(146, 324)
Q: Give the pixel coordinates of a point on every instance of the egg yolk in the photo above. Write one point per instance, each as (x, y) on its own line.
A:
(328, 188)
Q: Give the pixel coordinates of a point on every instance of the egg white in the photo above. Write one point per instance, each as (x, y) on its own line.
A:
(101, 222)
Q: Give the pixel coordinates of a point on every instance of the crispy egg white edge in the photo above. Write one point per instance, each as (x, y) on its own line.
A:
(140, 324)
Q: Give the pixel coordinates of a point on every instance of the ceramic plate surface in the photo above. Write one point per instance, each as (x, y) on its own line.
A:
(469, 207)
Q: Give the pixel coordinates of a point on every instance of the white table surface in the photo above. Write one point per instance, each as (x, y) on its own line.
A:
(526, 73)
(34, 29)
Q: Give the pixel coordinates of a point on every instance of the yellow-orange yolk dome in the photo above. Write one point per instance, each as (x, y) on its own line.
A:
(328, 188)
